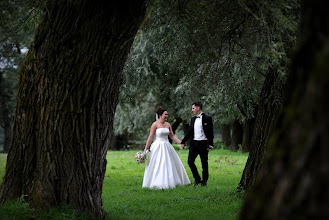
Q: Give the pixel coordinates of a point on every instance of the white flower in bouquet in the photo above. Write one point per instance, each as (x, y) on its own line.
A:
(141, 156)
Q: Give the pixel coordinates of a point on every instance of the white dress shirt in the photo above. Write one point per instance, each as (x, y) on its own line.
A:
(198, 129)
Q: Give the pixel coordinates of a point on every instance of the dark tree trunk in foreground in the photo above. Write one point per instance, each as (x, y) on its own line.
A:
(226, 134)
(237, 135)
(266, 118)
(293, 183)
(5, 115)
(66, 101)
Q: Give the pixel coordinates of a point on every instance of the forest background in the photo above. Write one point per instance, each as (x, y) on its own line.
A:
(216, 52)
(240, 58)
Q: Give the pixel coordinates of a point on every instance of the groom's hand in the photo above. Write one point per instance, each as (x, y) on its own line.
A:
(182, 146)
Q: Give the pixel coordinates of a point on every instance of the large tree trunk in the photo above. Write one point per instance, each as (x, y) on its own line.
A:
(66, 101)
(5, 114)
(267, 115)
(237, 135)
(293, 182)
(226, 134)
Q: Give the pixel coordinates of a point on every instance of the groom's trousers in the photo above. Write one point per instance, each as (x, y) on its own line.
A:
(199, 148)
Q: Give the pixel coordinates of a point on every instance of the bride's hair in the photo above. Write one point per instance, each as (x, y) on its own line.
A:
(160, 111)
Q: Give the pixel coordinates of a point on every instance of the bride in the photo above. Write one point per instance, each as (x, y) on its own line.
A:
(164, 169)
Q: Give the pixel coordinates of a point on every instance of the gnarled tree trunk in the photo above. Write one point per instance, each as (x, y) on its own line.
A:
(293, 182)
(266, 118)
(66, 101)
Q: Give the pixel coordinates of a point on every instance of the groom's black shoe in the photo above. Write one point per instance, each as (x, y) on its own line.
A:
(196, 182)
(204, 183)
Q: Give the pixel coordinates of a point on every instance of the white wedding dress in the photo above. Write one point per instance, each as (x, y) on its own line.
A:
(164, 169)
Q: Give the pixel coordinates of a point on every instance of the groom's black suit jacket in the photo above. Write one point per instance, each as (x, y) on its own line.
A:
(207, 128)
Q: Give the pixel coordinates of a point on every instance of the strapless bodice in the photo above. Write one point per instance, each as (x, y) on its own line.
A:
(161, 134)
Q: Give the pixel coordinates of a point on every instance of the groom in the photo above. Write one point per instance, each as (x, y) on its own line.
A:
(202, 134)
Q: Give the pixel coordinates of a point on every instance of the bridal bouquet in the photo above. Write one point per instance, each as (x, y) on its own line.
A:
(141, 157)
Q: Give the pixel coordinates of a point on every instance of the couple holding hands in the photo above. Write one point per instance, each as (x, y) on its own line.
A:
(164, 169)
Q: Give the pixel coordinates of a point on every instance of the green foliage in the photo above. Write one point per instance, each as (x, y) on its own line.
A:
(20, 210)
(124, 197)
(17, 24)
(177, 147)
(17, 209)
(214, 51)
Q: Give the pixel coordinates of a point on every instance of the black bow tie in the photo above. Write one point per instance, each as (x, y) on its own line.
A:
(197, 116)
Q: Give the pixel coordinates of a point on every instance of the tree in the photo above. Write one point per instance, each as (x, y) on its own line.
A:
(237, 135)
(293, 181)
(68, 91)
(281, 21)
(16, 33)
(183, 55)
(226, 134)
(6, 121)
(265, 122)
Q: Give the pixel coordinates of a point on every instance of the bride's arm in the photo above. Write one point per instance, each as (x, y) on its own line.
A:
(150, 138)
(172, 136)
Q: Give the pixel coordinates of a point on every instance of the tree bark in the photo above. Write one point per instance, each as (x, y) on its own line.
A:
(297, 159)
(226, 134)
(66, 100)
(248, 128)
(266, 118)
(237, 135)
(5, 115)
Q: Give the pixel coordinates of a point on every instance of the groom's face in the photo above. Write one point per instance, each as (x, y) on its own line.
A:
(195, 109)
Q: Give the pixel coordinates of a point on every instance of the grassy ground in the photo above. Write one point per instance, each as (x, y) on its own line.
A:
(124, 197)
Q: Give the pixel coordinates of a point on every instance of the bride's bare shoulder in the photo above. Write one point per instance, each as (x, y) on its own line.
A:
(154, 125)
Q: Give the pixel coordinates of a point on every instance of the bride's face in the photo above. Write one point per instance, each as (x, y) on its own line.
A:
(164, 115)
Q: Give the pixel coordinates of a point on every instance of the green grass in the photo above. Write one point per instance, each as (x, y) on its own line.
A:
(124, 197)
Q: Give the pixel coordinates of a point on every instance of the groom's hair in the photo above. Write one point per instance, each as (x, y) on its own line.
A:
(199, 104)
